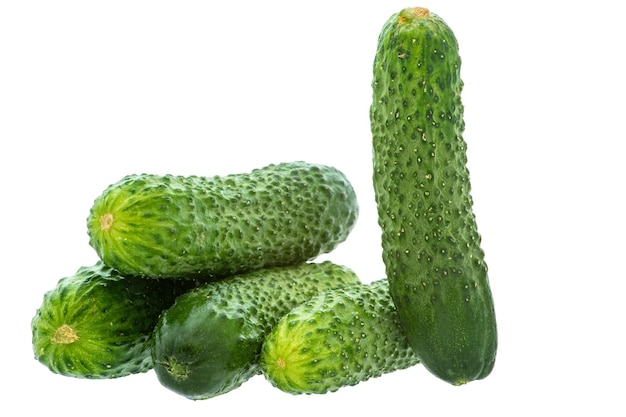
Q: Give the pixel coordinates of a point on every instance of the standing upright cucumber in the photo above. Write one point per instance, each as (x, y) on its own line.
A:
(431, 245)
(181, 227)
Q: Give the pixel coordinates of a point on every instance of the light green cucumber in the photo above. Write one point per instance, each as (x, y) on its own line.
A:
(336, 339)
(431, 245)
(184, 227)
(208, 343)
(97, 323)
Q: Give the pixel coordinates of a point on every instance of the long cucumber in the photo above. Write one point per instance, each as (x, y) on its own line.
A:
(431, 245)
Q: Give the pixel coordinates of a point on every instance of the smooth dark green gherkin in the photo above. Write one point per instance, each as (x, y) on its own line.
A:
(184, 227)
(431, 245)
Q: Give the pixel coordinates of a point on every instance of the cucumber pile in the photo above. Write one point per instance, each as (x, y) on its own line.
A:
(209, 281)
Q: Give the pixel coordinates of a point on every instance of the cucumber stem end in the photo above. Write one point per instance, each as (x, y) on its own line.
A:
(413, 13)
(64, 335)
(421, 12)
(106, 221)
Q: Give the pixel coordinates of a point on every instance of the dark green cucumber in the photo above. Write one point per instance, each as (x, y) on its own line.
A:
(181, 227)
(338, 338)
(431, 245)
(209, 341)
(97, 323)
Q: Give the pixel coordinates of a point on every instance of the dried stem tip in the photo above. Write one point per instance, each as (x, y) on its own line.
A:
(421, 12)
(64, 335)
(106, 221)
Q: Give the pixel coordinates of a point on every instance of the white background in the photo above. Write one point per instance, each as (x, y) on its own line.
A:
(92, 91)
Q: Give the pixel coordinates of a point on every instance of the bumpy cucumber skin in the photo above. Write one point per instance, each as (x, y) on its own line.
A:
(431, 245)
(111, 318)
(336, 339)
(208, 343)
(181, 227)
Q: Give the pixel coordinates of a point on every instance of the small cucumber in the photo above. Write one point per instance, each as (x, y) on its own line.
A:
(181, 227)
(97, 323)
(431, 245)
(338, 338)
(209, 341)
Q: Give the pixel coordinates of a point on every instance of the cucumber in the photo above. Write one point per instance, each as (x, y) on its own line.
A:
(431, 245)
(97, 323)
(338, 338)
(209, 341)
(184, 227)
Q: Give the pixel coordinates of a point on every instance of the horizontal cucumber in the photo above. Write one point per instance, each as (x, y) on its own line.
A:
(431, 245)
(97, 324)
(338, 338)
(183, 227)
(209, 341)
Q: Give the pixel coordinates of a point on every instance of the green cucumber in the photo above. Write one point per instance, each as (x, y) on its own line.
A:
(338, 338)
(431, 245)
(184, 227)
(97, 323)
(209, 341)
